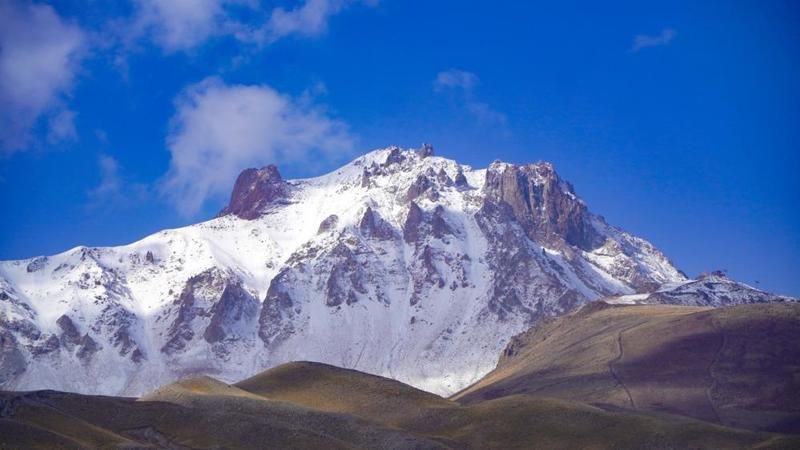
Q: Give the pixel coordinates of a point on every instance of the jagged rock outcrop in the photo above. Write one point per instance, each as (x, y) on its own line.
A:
(69, 332)
(200, 294)
(37, 264)
(275, 321)
(255, 190)
(373, 226)
(235, 307)
(421, 185)
(12, 361)
(460, 181)
(345, 278)
(425, 150)
(328, 224)
(87, 347)
(395, 156)
(545, 206)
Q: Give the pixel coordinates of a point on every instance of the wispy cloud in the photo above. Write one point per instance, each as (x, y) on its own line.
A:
(456, 79)
(40, 55)
(643, 41)
(309, 19)
(114, 189)
(182, 25)
(219, 129)
(61, 127)
(177, 24)
(110, 180)
(463, 84)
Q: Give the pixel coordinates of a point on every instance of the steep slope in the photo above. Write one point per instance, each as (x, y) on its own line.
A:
(205, 413)
(736, 366)
(401, 264)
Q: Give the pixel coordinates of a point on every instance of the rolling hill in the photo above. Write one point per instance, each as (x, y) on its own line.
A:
(736, 366)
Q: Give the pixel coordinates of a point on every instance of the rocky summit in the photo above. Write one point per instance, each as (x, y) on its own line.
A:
(401, 264)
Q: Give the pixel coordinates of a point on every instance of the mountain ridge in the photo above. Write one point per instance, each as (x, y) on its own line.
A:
(400, 263)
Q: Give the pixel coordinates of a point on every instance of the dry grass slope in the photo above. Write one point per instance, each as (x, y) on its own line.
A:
(333, 389)
(735, 366)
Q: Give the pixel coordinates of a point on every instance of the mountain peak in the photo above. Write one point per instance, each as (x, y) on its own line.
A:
(425, 150)
(254, 190)
(545, 206)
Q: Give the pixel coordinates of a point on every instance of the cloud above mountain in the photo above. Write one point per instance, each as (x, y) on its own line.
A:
(462, 84)
(40, 55)
(219, 128)
(181, 25)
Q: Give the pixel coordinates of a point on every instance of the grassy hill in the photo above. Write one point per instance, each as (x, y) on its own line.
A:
(737, 366)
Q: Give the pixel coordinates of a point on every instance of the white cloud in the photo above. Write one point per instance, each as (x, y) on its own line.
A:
(110, 181)
(309, 19)
(181, 25)
(218, 130)
(485, 114)
(455, 78)
(114, 190)
(61, 127)
(463, 84)
(642, 41)
(39, 56)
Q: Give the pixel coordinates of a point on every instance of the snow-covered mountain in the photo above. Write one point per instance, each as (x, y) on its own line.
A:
(401, 263)
(713, 289)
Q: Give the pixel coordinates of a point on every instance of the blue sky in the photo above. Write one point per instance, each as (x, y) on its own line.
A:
(677, 121)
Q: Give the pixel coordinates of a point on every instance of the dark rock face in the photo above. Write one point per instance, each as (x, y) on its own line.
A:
(180, 331)
(274, 323)
(443, 178)
(37, 264)
(125, 342)
(418, 224)
(50, 345)
(24, 328)
(328, 224)
(460, 181)
(523, 276)
(119, 323)
(255, 190)
(87, 348)
(425, 150)
(419, 187)
(12, 362)
(69, 333)
(439, 226)
(217, 300)
(395, 157)
(412, 224)
(346, 277)
(234, 305)
(365, 174)
(426, 274)
(373, 226)
(545, 206)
